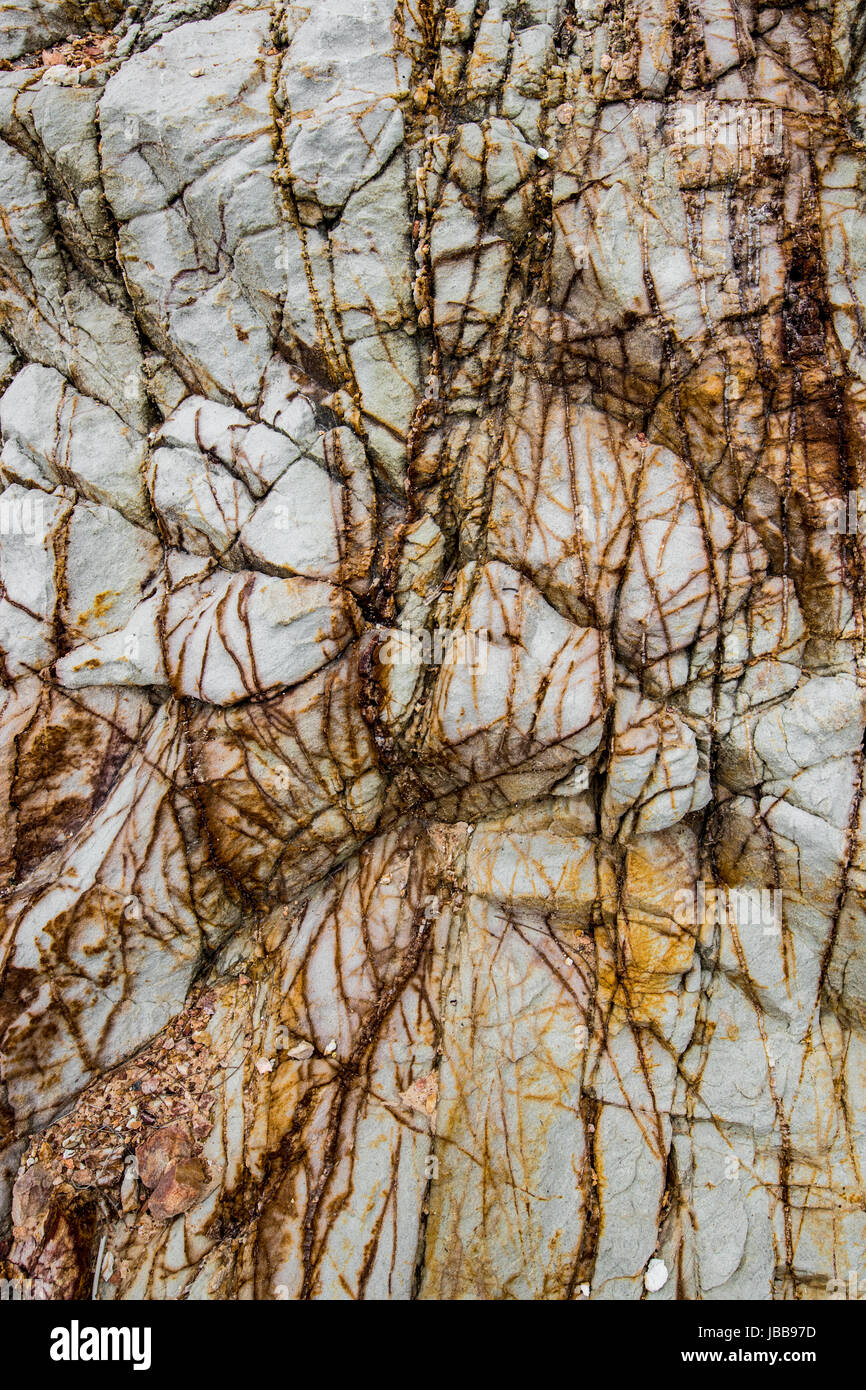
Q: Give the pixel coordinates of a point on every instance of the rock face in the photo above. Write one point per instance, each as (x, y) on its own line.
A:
(433, 851)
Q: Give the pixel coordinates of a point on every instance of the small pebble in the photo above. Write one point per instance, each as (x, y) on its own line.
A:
(656, 1276)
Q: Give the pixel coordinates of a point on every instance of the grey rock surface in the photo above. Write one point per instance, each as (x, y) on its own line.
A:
(432, 666)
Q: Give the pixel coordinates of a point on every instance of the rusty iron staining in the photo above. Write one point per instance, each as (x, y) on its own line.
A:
(432, 649)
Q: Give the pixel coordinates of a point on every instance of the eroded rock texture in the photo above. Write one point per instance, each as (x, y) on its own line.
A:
(431, 621)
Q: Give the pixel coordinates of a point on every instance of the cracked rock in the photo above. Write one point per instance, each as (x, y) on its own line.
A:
(432, 665)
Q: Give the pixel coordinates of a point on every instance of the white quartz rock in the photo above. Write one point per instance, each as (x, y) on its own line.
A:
(314, 523)
(109, 564)
(200, 505)
(255, 454)
(31, 530)
(55, 434)
(487, 715)
(655, 774)
(824, 718)
(131, 655)
(235, 636)
(221, 639)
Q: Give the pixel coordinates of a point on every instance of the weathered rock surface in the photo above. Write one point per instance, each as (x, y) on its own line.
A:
(432, 591)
